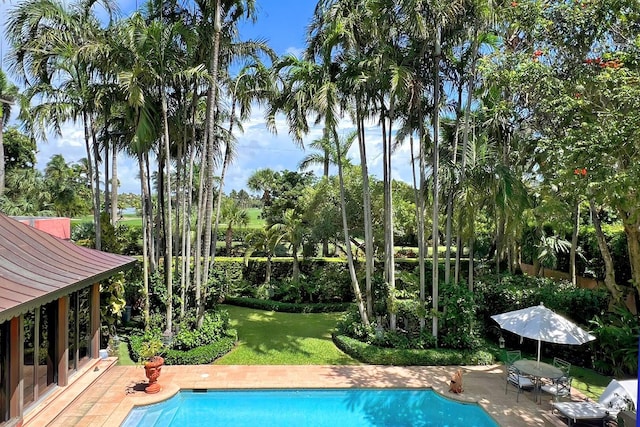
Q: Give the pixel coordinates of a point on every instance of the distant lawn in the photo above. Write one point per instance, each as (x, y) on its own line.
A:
(270, 338)
(254, 218)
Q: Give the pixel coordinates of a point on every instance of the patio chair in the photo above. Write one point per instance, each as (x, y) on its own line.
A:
(560, 387)
(514, 377)
(618, 395)
(563, 365)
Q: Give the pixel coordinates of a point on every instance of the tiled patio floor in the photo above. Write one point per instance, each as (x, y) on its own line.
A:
(108, 399)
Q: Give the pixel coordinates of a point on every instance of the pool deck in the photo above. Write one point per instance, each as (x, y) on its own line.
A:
(105, 392)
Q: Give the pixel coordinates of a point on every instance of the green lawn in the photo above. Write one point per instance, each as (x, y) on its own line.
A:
(589, 382)
(272, 338)
(254, 218)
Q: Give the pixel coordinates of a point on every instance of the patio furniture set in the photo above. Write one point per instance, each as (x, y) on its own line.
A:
(542, 324)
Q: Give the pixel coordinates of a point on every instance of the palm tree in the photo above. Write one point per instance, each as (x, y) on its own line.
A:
(233, 216)
(8, 93)
(342, 26)
(294, 230)
(54, 72)
(252, 84)
(262, 180)
(264, 240)
(310, 88)
(327, 154)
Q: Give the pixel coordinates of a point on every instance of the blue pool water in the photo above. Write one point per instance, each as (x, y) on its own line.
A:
(304, 407)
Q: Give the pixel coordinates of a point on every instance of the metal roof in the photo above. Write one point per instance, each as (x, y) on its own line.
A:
(37, 268)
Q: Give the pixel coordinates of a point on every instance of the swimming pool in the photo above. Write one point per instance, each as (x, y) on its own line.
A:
(310, 407)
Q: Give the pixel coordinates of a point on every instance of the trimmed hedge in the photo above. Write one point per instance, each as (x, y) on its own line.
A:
(286, 307)
(200, 355)
(374, 355)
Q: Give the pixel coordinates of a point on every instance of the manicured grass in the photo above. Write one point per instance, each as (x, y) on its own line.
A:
(123, 355)
(270, 338)
(589, 382)
(254, 218)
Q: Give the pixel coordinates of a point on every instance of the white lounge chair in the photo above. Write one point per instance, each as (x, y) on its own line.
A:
(617, 396)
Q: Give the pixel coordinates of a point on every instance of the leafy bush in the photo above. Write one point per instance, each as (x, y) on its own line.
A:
(191, 346)
(617, 336)
(214, 325)
(136, 343)
(375, 355)
(351, 326)
(458, 325)
(499, 294)
(591, 264)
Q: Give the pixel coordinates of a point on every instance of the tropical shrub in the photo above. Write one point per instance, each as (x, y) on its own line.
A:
(498, 294)
(459, 328)
(616, 352)
(372, 354)
(191, 345)
(214, 326)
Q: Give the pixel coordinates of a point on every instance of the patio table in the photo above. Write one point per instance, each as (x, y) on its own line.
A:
(537, 370)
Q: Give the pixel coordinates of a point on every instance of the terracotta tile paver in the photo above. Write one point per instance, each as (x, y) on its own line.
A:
(108, 400)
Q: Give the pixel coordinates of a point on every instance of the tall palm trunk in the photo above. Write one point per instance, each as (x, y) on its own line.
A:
(347, 242)
(114, 184)
(436, 166)
(388, 215)
(463, 166)
(179, 236)
(94, 178)
(419, 192)
(368, 224)
(211, 136)
(451, 193)
(186, 223)
(225, 165)
(153, 246)
(325, 174)
(107, 182)
(296, 263)
(168, 218)
(146, 239)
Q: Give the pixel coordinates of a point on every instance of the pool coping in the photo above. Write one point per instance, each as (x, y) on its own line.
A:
(108, 400)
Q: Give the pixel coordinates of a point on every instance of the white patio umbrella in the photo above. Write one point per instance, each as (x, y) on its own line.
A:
(540, 323)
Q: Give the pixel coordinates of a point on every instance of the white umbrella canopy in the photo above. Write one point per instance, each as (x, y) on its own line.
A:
(541, 324)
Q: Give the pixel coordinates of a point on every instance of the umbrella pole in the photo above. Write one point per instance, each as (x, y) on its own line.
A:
(539, 346)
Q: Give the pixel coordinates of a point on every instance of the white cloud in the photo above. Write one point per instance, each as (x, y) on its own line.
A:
(257, 148)
(295, 51)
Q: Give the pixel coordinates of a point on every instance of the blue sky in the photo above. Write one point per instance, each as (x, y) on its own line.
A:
(283, 24)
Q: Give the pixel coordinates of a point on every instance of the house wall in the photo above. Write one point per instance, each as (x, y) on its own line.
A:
(14, 357)
(59, 227)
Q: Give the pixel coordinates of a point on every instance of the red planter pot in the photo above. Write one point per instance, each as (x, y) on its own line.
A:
(152, 370)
